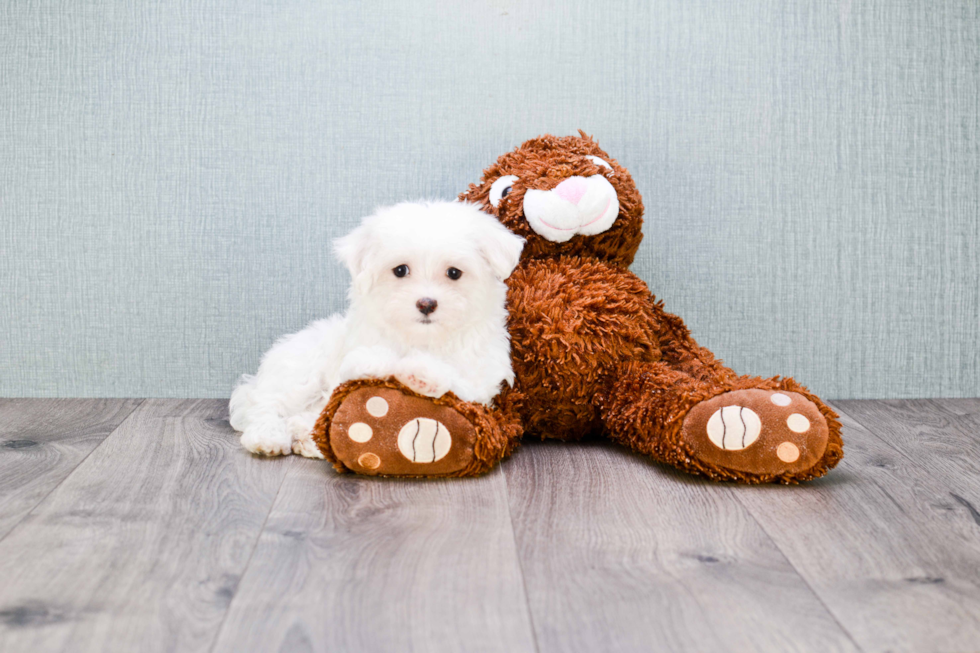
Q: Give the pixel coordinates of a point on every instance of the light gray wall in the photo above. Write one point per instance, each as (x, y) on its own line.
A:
(173, 173)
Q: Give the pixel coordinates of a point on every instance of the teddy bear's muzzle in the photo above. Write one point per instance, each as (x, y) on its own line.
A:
(578, 205)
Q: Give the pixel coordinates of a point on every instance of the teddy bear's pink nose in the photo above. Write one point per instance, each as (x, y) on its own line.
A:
(572, 189)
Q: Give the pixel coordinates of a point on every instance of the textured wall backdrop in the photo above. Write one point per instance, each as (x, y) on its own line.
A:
(173, 173)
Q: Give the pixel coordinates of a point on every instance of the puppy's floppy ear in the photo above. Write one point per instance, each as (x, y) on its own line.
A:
(353, 249)
(500, 247)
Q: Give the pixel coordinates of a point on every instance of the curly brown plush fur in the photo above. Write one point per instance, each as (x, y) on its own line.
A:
(593, 350)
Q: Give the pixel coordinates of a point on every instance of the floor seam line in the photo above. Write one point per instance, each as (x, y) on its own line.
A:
(73, 470)
(248, 563)
(875, 434)
(520, 564)
(799, 574)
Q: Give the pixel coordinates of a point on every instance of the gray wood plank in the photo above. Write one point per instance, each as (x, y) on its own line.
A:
(350, 563)
(42, 441)
(883, 544)
(622, 555)
(142, 547)
(941, 435)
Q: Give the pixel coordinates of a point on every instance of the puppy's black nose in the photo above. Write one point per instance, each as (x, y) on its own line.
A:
(426, 305)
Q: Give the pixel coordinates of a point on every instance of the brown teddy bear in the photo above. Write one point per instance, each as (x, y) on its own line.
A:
(593, 351)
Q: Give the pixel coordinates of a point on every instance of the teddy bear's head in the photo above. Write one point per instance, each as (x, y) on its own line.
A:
(566, 196)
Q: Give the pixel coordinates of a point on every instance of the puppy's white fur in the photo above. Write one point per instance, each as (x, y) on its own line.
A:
(461, 347)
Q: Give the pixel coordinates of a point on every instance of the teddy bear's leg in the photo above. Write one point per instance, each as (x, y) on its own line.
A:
(723, 426)
(382, 428)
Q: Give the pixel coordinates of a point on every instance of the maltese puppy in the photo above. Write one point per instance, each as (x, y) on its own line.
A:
(426, 306)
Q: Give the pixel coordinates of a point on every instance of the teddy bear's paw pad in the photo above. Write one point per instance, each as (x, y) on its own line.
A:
(382, 431)
(757, 432)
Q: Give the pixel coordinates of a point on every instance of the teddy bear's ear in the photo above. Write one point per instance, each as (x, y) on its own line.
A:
(501, 248)
(352, 249)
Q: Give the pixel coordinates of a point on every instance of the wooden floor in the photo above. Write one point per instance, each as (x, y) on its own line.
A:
(130, 525)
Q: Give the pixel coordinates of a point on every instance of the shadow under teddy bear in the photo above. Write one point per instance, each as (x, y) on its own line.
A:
(593, 352)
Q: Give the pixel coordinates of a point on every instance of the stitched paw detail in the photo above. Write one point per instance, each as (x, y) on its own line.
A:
(424, 440)
(757, 431)
(734, 427)
(385, 431)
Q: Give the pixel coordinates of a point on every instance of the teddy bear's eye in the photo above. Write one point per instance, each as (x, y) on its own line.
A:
(454, 273)
(400, 271)
(501, 188)
(599, 162)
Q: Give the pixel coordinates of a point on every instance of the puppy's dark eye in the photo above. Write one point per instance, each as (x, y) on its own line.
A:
(454, 273)
(400, 271)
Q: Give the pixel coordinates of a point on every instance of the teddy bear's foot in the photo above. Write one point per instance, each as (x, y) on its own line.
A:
(758, 433)
(384, 431)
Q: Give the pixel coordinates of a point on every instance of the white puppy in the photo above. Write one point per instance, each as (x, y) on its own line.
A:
(427, 306)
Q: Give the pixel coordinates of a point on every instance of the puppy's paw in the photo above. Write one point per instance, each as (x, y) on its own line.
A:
(424, 386)
(307, 448)
(363, 362)
(268, 439)
(301, 431)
